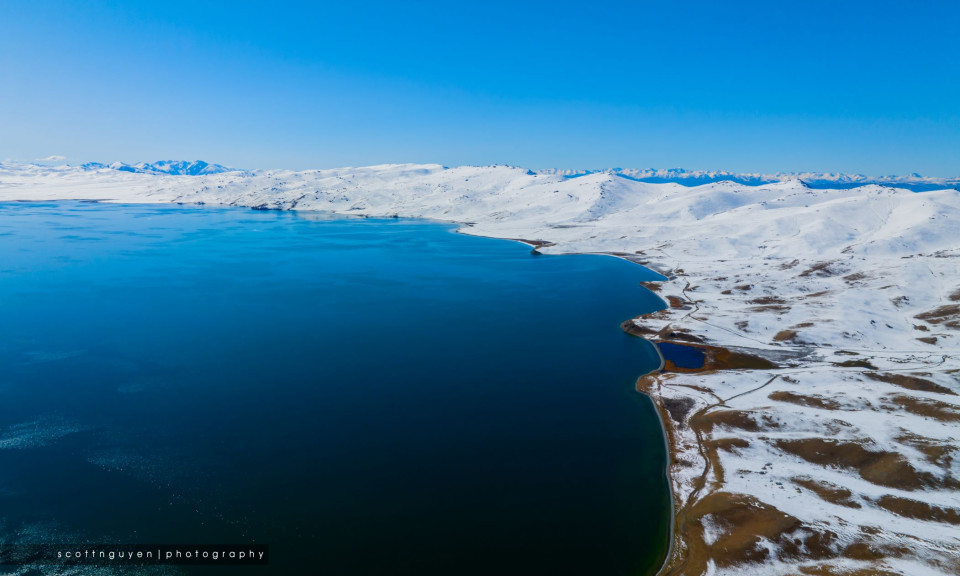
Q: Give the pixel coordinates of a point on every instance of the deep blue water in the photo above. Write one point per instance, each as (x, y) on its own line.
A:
(366, 396)
(682, 356)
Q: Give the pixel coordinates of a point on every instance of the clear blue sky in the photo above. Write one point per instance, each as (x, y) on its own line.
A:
(871, 87)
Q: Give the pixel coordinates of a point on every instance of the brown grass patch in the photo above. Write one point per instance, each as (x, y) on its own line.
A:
(909, 382)
(882, 468)
(892, 469)
(919, 510)
(781, 308)
(728, 444)
(721, 358)
(652, 286)
(767, 300)
(735, 419)
(862, 551)
(749, 522)
(816, 294)
(785, 336)
(789, 265)
(829, 492)
(928, 340)
(941, 314)
(931, 408)
(855, 364)
(936, 452)
(814, 401)
(676, 302)
(822, 269)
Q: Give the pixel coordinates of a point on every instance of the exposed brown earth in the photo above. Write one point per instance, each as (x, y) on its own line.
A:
(916, 509)
(739, 419)
(676, 302)
(930, 408)
(880, 467)
(828, 492)
(856, 364)
(748, 523)
(863, 551)
(785, 336)
(823, 269)
(910, 382)
(767, 300)
(816, 294)
(941, 314)
(813, 401)
(854, 278)
(790, 335)
(652, 286)
(728, 444)
(780, 308)
(936, 452)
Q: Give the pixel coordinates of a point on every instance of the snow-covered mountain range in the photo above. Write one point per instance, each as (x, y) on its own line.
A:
(171, 167)
(832, 450)
(914, 182)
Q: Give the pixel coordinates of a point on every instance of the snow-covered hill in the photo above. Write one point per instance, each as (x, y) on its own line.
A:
(914, 182)
(831, 449)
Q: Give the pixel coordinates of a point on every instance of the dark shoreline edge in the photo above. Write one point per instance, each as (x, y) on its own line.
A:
(671, 536)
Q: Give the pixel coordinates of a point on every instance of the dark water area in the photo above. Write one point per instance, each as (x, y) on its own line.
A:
(682, 356)
(365, 396)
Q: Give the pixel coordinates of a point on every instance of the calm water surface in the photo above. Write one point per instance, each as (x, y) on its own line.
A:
(683, 356)
(366, 396)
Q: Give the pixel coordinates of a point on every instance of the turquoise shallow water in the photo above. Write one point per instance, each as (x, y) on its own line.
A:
(366, 396)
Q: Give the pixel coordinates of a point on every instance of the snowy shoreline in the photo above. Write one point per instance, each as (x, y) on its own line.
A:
(841, 457)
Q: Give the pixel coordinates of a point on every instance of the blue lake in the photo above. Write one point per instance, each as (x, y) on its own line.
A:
(365, 396)
(682, 356)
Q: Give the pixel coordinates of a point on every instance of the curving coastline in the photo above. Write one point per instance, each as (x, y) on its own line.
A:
(667, 450)
(837, 454)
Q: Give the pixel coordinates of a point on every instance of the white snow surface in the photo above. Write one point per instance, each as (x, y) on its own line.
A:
(814, 277)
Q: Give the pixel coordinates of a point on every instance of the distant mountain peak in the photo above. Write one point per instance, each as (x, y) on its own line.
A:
(168, 167)
(913, 182)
